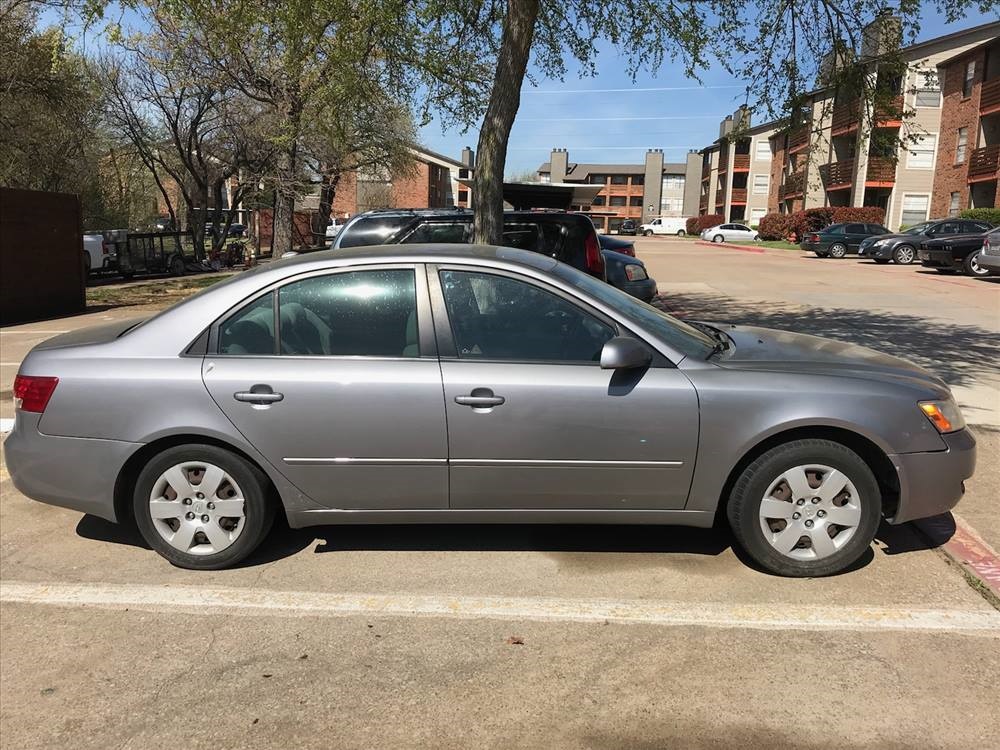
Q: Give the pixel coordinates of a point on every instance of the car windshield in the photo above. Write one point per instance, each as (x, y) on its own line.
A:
(918, 228)
(681, 336)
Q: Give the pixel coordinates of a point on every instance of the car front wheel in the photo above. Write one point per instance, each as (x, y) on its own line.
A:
(648, 233)
(806, 508)
(718, 239)
(973, 268)
(838, 250)
(903, 255)
(202, 507)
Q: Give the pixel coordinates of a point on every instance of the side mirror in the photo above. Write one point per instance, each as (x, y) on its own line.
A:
(624, 353)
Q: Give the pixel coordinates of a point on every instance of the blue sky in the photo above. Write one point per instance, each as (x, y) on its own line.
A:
(555, 114)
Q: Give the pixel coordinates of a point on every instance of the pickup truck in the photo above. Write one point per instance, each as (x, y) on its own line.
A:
(98, 253)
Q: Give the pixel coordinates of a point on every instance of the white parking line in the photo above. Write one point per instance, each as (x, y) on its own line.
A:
(203, 601)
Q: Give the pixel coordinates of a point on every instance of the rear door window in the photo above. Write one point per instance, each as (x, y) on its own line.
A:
(251, 330)
(439, 231)
(372, 230)
(855, 229)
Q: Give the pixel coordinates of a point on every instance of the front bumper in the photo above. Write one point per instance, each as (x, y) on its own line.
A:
(885, 251)
(70, 472)
(937, 259)
(933, 483)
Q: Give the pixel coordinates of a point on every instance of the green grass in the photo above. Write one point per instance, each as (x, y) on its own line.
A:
(780, 244)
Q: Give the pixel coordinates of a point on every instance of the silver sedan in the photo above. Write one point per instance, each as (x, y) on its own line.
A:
(476, 385)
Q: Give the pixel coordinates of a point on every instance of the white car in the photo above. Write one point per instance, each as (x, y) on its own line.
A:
(730, 233)
(665, 225)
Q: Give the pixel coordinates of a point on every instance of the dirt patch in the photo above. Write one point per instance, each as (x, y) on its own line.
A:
(160, 293)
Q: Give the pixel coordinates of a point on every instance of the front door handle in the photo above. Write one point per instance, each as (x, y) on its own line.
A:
(480, 398)
(259, 394)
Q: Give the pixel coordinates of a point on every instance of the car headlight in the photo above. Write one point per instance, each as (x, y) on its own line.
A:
(944, 415)
(635, 273)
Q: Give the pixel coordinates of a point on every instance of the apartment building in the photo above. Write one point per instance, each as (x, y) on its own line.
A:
(736, 170)
(630, 191)
(936, 111)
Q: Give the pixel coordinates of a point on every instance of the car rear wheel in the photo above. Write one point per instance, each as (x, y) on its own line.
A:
(838, 250)
(718, 239)
(681, 233)
(806, 508)
(903, 255)
(202, 507)
(177, 266)
(973, 268)
(648, 233)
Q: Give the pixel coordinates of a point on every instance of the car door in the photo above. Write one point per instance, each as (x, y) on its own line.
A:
(854, 233)
(334, 378)
(534, 422)
(738, 233)
(657, 225)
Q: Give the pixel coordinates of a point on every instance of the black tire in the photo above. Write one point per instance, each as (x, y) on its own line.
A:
(718, 239)
(681, 233)
(748, 492)
(838, 250)
(648, 233)
(974, 269)
(881, 261)
(258, 507)
(904, 255)
(177, 266)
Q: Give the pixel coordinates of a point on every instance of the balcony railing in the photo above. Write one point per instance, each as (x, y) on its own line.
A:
(703, 203)
(739, 196)
(741, 162)
(839, 174)
(724, 161)
(798, 138)
(880, 169)
(989, 98)
(793, 186)
(846, 116)
(984, 163)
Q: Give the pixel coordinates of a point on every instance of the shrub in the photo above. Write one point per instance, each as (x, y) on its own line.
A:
(992, 215)
(774, 226)
(706, 221)
(691, 226)
(859, 214)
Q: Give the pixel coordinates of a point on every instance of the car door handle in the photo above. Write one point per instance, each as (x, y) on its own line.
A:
(259, 394)
(480, 398)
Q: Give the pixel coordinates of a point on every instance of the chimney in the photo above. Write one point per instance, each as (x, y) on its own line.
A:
(558, 163)
(726, 126)
(883, 34)
(469, 157)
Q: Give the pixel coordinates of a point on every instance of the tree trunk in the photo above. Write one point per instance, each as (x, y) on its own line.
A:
(284, 203)
(505, 98)
(327, 192)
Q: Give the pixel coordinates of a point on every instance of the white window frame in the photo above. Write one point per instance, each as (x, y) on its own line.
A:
(970, 76)
(902, 208)
(932, 138)
(961, 145)
(927, 77)
(954, 204)
(756, 214)
(766, 148)
(673, 182)
(758, 189)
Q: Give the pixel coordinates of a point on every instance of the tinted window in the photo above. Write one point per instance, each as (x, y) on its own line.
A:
(251, 330)
(877, 229)
(451, 233)
(495, 317)
(972, 226)
(361, 313)
(855, 229)
(834, 229)
(950, 227)
(373, 230)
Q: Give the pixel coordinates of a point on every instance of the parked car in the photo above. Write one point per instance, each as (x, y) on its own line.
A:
(665, 225)
(616, 244)
(837, 240)
(98, 253)
(569, 237)
(957, 252)
(628, 227)
(730, 233)
(989, 254)
(445, 383)
(334, 227)
(902, 247)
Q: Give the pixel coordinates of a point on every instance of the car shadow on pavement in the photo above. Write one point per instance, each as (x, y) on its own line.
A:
(960, 354)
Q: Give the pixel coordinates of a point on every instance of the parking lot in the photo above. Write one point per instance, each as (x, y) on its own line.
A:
(564, 636)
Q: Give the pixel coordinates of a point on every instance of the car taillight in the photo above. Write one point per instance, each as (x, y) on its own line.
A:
(595, 261)
(32, 392)
(106, 248)
(635, 273)
(814, 238)
(628, 250)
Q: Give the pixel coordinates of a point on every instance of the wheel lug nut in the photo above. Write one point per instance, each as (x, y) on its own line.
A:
(815, 500)
(199, 496)
(204, 518)
(821, 514)
(187, 501)
(809, 524)
(211, 506)
(189, 516)
(800, 501)
(796, 516)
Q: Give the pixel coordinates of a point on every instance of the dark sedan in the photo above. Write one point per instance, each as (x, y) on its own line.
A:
(902, 248)
(837, 240)
(628, 227)
(955, 253)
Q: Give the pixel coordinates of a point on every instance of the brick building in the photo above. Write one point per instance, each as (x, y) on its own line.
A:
(969, 143)
(630, 191)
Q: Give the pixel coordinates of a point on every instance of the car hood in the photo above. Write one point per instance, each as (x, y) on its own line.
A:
(894, 237)
(768, 349)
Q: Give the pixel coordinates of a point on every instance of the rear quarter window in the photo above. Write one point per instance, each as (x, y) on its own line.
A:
(374, 230)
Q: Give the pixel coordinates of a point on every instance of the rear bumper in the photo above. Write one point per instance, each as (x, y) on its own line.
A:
(70, 472)
(644, 290)
(933, 483)
(988, 260)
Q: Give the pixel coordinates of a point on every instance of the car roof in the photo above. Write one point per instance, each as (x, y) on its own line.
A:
(422, 253)
(463, 213)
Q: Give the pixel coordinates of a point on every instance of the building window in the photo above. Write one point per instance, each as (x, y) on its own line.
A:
(756, 214)
(953, 204)
(463, 196)
(463, 174)
(635, 200)
(673, 182)
(761, 182)
(970, 76)
(545, 177)
(617, 200)
(762, 151)
(921, 153)
(671, 206)
(638, 179)
(960, 144)
(914, 209)
(597, 179)
(619, 179)
(928, 89)
(598, 201)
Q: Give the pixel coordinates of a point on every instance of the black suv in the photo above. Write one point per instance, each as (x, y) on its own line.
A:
(570, 238)
(628, 227)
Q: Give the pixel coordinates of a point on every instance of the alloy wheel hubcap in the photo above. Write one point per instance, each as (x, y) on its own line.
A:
(810, 512)
(905, 255)
(197, 508)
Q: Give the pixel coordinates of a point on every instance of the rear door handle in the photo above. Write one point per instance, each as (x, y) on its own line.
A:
(481, 398)
(259, 394)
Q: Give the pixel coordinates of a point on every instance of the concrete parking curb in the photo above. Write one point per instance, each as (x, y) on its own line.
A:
(729, 246)
(969, 551)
